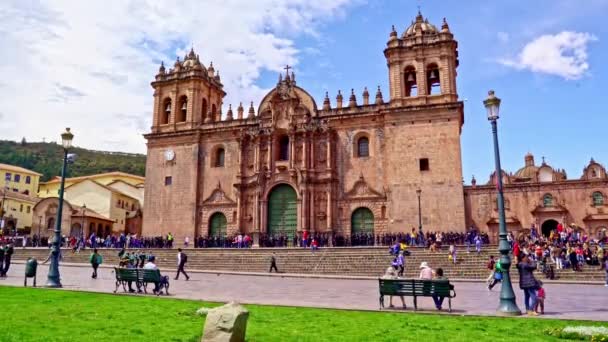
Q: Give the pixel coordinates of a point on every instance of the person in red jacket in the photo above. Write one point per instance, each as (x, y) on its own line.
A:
(305, 239)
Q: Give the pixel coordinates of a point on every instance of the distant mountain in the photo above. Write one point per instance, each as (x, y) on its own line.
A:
(46, 158)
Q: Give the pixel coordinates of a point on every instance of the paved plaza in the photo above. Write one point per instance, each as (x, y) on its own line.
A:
(564, 301)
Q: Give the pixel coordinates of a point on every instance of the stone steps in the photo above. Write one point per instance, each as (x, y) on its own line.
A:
(357, 261)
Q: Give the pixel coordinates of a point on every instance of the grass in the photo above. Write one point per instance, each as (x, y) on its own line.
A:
(50, 315)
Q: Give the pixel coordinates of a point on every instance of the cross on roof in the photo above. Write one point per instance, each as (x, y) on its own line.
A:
(287, 67)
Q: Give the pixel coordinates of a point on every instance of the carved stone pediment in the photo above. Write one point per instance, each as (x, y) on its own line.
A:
(362, 190)
(218, 197)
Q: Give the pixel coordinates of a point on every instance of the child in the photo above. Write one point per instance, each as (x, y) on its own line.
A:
(541, 295)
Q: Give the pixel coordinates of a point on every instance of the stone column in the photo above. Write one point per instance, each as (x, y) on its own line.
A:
(292, 149)
(256, 213)
(256, 156)
(311, 224)
(304, 216)
(329, 151)
(270, 148)
(329, 212)
(305, 150)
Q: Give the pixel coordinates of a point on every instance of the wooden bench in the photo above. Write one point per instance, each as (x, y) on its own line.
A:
(141, 278)
(416, 288)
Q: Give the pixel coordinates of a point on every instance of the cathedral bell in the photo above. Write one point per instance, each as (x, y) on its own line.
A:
(184, 106)
(434, 75)
(410, 78)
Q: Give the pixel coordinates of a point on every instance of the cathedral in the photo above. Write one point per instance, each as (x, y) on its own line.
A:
(356, 165)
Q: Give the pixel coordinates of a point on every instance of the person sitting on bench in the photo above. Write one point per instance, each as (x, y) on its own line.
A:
(150, 265)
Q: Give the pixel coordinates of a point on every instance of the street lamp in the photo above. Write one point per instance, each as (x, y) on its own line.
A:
(507, 305)
(418, 193)
(53, 279)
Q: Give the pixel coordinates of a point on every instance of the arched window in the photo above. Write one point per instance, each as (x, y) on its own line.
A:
(28, 179)
(284, 148)
(183, 109)
(204, 110)
(547, 200)
(432, 80)
(363, 147)
(50, 223)
(213, 112)
(598, 199)
(411, 87)
(219, 157)
(166, 114)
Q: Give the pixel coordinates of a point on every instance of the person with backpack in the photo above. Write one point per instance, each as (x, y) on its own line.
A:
(496, 275)
(95, 261)
(182, 259)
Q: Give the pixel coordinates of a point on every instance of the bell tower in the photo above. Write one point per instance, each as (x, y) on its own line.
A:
(422, 64)
(187, 95)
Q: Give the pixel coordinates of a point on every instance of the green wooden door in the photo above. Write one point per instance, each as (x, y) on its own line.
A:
(282, 211)
(362, 221)
(217, 225)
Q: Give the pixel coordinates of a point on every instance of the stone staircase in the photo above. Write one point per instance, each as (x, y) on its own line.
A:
(356, 261)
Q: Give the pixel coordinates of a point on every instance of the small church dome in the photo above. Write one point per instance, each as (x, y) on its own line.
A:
(420, 25)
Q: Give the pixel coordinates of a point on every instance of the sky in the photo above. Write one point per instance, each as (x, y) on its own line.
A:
(88, 65)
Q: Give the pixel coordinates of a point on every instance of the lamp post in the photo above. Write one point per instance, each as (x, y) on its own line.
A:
(418, 193)
(507, 305)
(53, 279)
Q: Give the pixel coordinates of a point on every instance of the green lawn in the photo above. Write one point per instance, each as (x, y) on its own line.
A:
(50, 315)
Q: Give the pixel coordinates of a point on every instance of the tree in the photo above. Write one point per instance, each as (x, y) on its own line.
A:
(23, 142)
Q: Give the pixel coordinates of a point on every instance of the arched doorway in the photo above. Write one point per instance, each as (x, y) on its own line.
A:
(548, 226)
(76, 230)
(282, 211)
(217, 225)
(362, 221)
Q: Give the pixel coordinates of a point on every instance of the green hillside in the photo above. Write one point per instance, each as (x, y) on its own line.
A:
(46, 158)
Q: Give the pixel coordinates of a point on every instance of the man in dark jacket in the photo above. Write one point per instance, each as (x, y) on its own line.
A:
(8, 254)
(528, 282)
(182, 259)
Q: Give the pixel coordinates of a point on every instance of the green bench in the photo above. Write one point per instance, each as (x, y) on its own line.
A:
(141, 278)
(416, 288)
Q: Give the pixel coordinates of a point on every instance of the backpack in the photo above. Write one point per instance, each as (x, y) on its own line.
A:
(184, 258)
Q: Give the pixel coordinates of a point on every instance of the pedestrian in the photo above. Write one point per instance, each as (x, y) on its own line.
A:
(401, 263)
(478, 244)
(540, 304)
(490, 267)
(273, 263)
(452, 253)
(496, 275)
(8, 253)
(182, 259)
(528, 283)
(606, 269)
(95, 261)
(186, 242)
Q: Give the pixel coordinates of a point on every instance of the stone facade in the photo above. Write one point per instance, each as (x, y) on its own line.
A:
(373, 155)
(541, 196)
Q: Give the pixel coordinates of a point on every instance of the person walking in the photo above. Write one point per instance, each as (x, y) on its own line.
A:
(528, 283)
(496, 275)
(400, 264)
(490, 267)
(273, 263)
(8, 254)
(182, 259)
(95, 261)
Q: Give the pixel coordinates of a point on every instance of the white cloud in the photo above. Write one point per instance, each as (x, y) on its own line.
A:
(563, 54)
(89, 64)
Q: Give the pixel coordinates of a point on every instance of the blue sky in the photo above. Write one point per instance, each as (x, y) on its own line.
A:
(547, 115)
(78, 64)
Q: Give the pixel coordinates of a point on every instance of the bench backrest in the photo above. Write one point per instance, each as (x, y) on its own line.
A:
(150, 276)
(126, 274)
(414, 287)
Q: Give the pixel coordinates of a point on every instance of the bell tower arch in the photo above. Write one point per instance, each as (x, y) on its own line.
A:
(422, 64)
